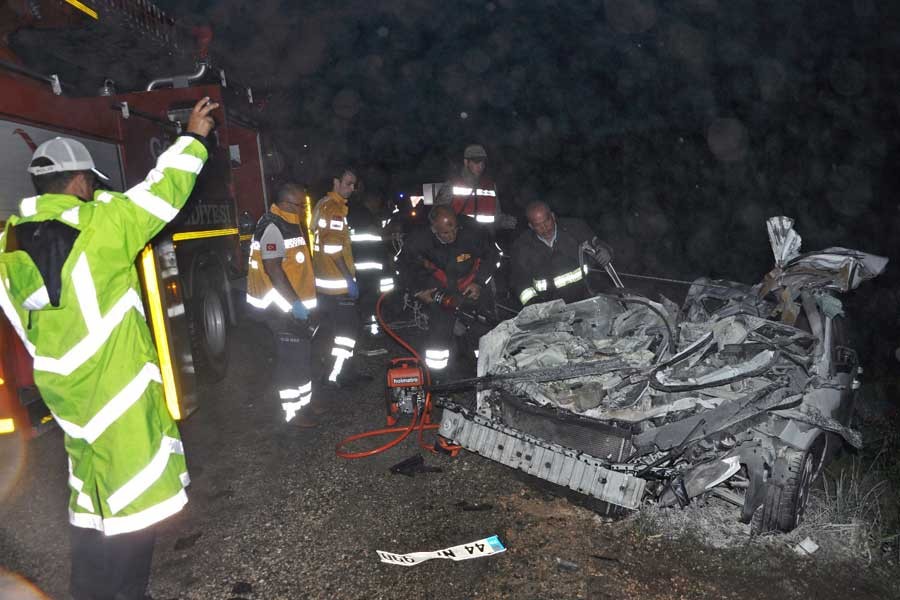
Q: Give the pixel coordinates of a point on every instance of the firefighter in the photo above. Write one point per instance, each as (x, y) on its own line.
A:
(70, 290)
(336, 274)
(473, 194)
(454, 261)
(374, 272)
(281, 287)
(545, 259)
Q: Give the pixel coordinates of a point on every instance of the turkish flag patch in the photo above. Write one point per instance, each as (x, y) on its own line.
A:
(270, 247)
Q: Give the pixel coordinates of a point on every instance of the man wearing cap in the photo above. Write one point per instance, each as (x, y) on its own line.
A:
(473, 194)
(70, 290)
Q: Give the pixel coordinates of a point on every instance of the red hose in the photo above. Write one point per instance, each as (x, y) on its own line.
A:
(416, 422)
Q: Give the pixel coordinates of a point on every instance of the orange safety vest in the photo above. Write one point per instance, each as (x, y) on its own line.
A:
(331, 237)
(296, 264)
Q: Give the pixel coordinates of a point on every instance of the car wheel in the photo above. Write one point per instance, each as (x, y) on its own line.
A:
(209, 332)
(784, 507)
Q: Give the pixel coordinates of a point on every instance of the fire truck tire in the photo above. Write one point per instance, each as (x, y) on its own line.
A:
(209, 332)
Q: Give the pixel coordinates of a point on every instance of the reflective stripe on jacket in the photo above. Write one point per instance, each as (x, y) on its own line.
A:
(544, 273)
(331, 237)
(95, 363)
(296, 265)
(479, 202)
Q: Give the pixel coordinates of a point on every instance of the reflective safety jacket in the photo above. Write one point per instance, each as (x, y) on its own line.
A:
(470, 197)
(368, 244)
(541, 273)
(331, 237)
(296, 265)
(71, 292)
(425, 262)
(478, 201)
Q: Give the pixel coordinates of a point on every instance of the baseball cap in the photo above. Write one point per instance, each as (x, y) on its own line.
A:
(475, 152)
(65, 154)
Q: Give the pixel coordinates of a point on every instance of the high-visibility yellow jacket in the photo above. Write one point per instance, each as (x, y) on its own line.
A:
(95, 363)
(331, 237)
(296, 264)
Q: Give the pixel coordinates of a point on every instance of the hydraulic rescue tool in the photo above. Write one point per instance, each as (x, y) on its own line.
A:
(452, 304)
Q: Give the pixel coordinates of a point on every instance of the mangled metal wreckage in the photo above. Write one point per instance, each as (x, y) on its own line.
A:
(743, 392)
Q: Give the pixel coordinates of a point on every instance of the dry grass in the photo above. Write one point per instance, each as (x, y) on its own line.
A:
(845, 517)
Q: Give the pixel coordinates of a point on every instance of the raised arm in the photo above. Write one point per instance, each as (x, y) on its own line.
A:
(157, 199)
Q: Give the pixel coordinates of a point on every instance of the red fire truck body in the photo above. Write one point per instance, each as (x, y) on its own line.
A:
(190, 270)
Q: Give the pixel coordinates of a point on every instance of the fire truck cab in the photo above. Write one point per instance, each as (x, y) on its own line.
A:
(189, 270)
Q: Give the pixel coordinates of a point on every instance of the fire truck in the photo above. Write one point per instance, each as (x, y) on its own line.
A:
(189, 270)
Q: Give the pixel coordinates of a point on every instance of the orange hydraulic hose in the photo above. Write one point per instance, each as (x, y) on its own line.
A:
(422, 422)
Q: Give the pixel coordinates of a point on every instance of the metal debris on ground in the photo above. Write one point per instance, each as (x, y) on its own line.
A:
(476, 549)
(806, 548)
(412, 465)
(242, 587)
(566, 565)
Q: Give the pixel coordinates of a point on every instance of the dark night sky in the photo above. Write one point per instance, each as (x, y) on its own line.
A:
(661, 107)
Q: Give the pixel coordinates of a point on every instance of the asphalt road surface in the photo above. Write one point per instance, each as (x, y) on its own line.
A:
(273, 513)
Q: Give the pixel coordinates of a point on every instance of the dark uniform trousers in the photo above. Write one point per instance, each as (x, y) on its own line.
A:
(341, 313)
(292, 355)
(450, 348)
(369, 291)
(114, 567)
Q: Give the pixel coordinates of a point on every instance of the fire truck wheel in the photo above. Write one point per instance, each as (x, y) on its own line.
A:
(209, 333)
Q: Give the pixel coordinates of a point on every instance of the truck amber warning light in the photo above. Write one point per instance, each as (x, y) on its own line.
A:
(7, 426)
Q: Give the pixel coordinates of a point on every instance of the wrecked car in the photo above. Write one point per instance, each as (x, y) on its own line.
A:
(743, 392)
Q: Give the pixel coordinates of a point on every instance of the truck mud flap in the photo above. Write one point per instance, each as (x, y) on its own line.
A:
(565, 467)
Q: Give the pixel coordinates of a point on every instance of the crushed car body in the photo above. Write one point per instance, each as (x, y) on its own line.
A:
(743, 392)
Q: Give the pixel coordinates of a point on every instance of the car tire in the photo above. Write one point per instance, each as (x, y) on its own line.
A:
(209, 332)
(784, 506)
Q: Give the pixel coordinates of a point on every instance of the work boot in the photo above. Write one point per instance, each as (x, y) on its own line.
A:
(318, 408)
(304, 421)
(346, 381)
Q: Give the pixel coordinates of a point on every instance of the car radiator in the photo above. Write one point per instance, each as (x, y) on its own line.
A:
(551, 462)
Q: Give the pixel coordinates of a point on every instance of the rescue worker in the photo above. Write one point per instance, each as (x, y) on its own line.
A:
(281, 287)
(545, 259)
(71, 291)
(336, 274)
(454, 261)
(374, 272)
(473, 194)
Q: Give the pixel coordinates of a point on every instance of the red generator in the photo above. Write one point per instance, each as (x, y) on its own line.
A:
(404, 392)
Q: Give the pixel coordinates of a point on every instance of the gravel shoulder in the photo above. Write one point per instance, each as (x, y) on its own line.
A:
(273, 513)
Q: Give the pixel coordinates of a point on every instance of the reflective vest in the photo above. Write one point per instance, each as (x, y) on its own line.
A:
(367, 242)
(331, 237)
(296, 265)
(95, 363)
(480, 202)
(544, 273)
